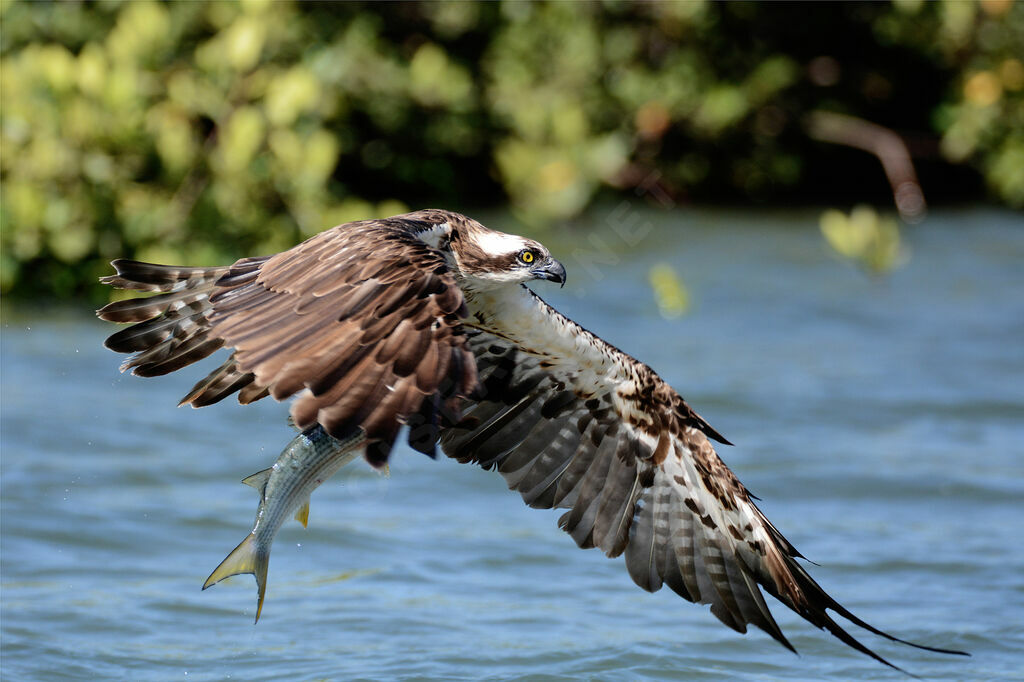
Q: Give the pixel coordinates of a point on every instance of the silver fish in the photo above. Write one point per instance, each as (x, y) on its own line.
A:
(307, 461)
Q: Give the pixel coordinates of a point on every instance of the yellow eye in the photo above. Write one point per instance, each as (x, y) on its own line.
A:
(526, 256)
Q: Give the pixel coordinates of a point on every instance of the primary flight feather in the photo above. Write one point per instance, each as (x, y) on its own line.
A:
(424, 321)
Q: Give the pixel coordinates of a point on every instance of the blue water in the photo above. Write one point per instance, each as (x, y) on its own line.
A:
(881, 420)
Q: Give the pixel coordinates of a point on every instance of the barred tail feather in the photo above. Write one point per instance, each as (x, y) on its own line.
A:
(171, 329)
(139, 276)
(219, 384)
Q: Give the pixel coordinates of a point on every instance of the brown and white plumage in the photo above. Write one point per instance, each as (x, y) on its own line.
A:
(423, 320)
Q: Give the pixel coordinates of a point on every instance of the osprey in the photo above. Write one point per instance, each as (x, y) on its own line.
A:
(423, 320)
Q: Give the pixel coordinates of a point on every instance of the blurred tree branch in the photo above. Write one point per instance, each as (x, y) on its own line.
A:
(886, 145)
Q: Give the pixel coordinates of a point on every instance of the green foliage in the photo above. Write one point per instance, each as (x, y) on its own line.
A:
(670, 293)
(203, 131)
(865, 238)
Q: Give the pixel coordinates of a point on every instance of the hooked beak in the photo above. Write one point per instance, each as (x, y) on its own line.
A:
(551, 270)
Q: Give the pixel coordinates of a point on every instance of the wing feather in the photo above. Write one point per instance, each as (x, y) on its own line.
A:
(219, 384)
(363, 322)
(571, 422)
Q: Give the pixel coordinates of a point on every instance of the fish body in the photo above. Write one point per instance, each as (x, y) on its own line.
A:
(307, 461)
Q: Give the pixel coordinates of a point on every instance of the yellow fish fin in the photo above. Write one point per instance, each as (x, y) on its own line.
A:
(302, 515)
(248, 557)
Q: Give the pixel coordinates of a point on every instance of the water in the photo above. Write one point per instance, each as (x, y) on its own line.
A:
(881, 421)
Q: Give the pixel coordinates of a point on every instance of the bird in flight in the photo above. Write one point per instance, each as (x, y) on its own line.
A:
(424, 321)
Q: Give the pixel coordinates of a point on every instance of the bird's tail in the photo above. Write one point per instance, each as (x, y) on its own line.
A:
(173, 329)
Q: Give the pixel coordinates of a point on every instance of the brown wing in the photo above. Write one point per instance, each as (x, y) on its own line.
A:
(599, 434)
(362, 321)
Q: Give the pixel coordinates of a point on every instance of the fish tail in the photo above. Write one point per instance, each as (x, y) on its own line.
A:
(247, 557)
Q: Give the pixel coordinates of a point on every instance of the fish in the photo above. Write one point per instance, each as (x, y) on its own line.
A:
(308, 460)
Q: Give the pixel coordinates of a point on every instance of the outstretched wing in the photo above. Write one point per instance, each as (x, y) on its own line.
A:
(362, 321)
(572, 422)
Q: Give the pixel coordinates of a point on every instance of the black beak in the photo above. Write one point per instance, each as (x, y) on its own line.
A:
(551, 270)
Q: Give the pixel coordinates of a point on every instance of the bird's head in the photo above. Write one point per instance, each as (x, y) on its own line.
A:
(488, 258)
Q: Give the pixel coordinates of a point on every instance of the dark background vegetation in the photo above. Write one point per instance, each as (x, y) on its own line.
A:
(200, 132)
